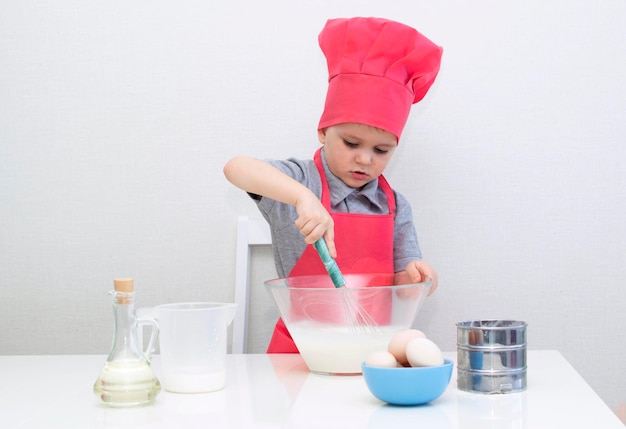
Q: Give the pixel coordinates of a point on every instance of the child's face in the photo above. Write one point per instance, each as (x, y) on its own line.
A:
(357, 153)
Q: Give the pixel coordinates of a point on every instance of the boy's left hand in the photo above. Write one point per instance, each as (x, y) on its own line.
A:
(418, 270)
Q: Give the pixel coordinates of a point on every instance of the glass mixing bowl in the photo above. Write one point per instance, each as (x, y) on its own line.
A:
(335, 329)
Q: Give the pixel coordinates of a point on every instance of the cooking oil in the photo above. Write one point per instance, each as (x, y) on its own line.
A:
(127, 383)
(127, 379)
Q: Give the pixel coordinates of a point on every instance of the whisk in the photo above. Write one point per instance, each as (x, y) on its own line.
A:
(357, 316)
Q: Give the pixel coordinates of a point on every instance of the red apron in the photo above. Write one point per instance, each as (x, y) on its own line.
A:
(364, 245)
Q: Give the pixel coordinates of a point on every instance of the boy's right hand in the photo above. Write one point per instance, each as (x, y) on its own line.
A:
(258, 177)
(314, 222)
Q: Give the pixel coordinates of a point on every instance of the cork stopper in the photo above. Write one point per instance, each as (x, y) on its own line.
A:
(123, 285)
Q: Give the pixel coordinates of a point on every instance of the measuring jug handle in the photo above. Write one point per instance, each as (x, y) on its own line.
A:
(144, 319)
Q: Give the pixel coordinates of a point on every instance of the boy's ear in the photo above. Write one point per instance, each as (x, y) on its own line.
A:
(321, 135)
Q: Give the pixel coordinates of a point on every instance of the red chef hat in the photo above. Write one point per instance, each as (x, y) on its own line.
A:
(377, 69)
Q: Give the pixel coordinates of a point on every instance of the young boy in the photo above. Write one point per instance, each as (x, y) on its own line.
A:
(377, 69)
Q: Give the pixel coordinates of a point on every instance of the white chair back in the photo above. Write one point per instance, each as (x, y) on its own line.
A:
(250, 233)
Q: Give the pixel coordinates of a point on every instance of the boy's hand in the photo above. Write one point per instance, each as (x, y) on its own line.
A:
(417, 271)
(314, 222)
(258, 177)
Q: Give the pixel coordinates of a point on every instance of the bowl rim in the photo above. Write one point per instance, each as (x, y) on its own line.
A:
(446, 363)
(280, 283)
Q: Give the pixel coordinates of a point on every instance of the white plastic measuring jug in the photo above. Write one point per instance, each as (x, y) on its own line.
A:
(192, 338)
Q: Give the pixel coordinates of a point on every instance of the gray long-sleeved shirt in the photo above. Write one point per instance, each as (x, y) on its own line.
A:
(288, 243)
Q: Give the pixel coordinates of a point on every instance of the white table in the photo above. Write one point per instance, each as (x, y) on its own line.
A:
(277, 391)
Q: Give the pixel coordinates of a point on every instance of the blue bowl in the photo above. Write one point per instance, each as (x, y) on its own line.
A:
(408, 386)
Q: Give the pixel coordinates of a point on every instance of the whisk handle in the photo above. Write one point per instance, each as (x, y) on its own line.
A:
(329, 263)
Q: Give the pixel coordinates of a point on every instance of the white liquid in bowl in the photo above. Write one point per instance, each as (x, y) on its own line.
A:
(338, 350)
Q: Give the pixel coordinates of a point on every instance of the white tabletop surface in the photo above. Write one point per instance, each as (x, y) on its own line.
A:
(277, 391)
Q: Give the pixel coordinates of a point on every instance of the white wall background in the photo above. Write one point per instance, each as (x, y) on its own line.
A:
(116, 119)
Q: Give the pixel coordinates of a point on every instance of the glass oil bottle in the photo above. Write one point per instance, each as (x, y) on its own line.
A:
(127, 378)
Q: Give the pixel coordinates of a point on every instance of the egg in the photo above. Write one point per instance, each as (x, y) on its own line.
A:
(381, 358)
(423, 352)
(397, 344)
